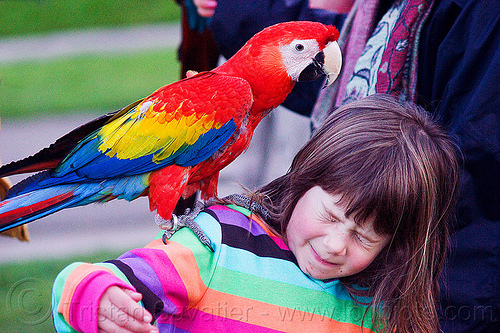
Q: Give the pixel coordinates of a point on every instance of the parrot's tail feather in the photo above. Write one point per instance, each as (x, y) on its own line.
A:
(24, 207)
(27, 184)
(13, 217)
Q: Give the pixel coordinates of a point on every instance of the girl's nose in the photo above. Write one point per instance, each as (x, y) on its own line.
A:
(336, 243)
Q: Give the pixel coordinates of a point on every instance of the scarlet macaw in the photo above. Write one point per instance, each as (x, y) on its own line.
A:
(175, 141)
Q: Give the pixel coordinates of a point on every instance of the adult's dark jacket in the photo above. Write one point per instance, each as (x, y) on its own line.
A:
(459, 80)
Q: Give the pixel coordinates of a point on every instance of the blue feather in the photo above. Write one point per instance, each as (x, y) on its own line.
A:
(128, 188)
(206, 145)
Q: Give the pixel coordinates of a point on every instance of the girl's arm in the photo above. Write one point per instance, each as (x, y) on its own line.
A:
(88, 298)
(169, 276)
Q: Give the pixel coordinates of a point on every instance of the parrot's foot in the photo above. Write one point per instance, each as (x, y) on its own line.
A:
(186, 220)
(167, 225)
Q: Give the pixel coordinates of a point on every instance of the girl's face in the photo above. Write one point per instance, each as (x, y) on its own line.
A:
(327, 244)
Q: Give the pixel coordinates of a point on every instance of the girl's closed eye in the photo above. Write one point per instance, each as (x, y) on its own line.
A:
(365, 241)
(361, 238)
(330, 218)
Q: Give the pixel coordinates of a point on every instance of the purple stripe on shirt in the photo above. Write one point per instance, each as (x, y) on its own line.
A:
(227, 215)
(224, 212)
(164, 282)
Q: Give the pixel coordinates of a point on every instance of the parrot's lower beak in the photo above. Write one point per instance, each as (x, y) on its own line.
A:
(327, 62)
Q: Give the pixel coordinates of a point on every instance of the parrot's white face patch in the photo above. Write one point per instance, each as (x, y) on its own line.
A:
(297, 55)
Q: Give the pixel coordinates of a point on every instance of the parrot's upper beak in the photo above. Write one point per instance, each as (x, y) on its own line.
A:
(333, 62)
(327, 62)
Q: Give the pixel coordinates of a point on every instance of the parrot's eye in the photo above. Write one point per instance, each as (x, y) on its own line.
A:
(299, 47)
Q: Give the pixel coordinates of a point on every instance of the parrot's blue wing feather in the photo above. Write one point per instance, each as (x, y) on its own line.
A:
(206, 145)
(88, 163)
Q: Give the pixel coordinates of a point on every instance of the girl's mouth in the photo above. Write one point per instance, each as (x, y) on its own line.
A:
(321, 260)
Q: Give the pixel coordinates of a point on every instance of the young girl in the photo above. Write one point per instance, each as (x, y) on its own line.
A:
(351, 239)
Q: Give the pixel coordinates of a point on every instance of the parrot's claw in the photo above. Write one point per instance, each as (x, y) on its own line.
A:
(170, 226)
(167, 224)
(186, 220)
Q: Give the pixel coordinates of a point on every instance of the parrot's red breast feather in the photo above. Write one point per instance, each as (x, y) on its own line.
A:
(219, 96)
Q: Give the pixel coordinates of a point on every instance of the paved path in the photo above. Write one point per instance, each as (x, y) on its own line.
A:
(121, 225)
(63, 44)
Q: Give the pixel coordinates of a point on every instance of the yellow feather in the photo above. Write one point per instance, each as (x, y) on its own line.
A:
(145, 131)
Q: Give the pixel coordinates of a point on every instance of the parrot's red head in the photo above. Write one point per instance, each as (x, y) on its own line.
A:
(285, 53)
(308, 49)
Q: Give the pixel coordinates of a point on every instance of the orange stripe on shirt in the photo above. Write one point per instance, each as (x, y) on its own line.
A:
(269, 315)
(186, 266)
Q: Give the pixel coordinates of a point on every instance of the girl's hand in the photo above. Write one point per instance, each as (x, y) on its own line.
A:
(206, 8)
(120, 313)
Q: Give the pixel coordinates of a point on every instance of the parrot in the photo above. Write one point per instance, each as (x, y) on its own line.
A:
(175, 141)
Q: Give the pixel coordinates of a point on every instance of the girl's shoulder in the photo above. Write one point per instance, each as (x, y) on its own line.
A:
(242, 218)
(236, 227)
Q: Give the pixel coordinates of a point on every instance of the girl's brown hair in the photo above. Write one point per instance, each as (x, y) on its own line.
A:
(391, 162)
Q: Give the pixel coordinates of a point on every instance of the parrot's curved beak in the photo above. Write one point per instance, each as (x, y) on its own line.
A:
(333, 62)
(327, 62)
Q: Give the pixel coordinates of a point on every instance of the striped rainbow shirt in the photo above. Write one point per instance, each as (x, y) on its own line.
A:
(251, 283)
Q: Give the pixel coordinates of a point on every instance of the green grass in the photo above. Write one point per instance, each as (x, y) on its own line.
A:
(92, 82)
(25, 292)
(40, 16)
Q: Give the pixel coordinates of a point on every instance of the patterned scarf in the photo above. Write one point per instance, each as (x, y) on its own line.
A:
(396, 56)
